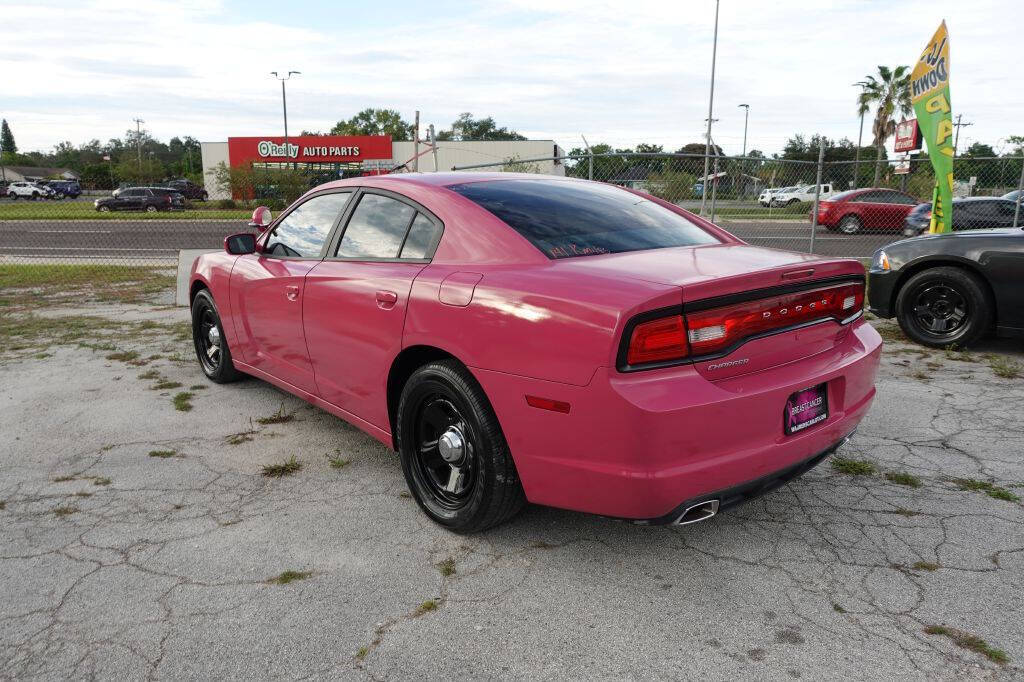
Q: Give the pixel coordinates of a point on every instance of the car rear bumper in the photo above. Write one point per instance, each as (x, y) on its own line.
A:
(641, 446)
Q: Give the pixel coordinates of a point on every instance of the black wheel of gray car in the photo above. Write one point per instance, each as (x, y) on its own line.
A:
(58, 196)
(850, 224)
(151, 209)
(35, 196)
(208, 337)
(944, 306)
(104, 209)
(454, 456)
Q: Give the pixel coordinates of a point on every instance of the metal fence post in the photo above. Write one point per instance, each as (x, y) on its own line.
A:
(1020, 192)
(817, 192)
(714, 187)
(590, 166)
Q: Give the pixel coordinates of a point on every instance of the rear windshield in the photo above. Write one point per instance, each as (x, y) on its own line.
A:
(567, 219)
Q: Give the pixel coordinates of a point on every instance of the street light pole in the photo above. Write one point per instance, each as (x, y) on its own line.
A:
(746, 118)
(284, 106)
(711, 106)
(860, 136)
(138, 141)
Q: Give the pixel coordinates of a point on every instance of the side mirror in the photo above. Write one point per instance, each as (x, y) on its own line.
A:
(261, 219)
(240, 244)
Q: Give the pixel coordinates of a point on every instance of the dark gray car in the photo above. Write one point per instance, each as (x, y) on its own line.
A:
(971, 213)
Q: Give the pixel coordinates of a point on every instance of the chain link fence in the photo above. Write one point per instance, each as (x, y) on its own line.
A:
(834, 208)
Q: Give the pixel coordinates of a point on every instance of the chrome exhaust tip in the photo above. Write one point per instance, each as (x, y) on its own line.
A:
(698, 512)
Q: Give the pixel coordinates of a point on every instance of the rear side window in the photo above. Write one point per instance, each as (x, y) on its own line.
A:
(377, 228)
(302, 233)
(423, 237)
(567, 219)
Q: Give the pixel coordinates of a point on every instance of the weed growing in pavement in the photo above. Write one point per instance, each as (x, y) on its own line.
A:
(926, 566)
(974, 643)
(162, 454)
(164, 385)
(986, 487)
(289, 577)
(285, 468)
(124, 356)
(426, 607)
(338, 462)
(853, 467)
(1004, 367)
(63, 511)
(903, 478)
(99, 480)
(182, 401)
(447, 567)
(62, 479)
(279, 417)
(149, 374)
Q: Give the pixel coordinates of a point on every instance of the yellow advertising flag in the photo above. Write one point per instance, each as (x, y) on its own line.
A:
(929, 93)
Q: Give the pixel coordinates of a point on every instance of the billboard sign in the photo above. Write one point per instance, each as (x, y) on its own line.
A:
(908, 136)
(308, 149)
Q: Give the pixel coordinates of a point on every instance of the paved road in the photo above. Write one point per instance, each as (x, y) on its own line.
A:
(135, 238)
(115, 563)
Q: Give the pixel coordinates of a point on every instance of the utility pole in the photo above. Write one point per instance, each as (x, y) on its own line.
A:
(138, 141)
(746, 119)
(416, 144)
(590, 158)
(958, 125)
(284, 106)
(433, 144)
(860, 138)
(711, 106)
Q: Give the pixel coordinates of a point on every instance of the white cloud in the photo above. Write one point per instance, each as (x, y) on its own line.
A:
(618, 73)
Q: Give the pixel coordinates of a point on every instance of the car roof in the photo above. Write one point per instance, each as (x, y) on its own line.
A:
(443, 179)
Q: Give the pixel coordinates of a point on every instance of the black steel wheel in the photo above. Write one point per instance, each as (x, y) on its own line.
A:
(944, 306)
(454, 455)
(208, 338)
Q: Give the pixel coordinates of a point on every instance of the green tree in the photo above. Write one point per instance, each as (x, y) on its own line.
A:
(376, 122)
(7, 143)
(465, 127)
(889, 92)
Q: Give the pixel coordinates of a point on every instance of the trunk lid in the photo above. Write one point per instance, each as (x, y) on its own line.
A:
(716, 275)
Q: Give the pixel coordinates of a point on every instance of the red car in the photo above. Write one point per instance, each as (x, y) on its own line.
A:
(874, 208)
(520, 337)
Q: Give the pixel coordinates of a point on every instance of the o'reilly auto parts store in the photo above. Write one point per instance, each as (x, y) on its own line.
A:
(334, 156)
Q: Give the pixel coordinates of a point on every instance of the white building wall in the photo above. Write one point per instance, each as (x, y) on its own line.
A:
(451, 154)
(213, 154)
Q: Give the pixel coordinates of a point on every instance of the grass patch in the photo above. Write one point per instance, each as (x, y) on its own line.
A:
(1004, 367)
(165, 384)
(289, 577)
(338, 462)
(285, 468)
(85, 210)
(837, 608)
(891, 333)
(279, 417)
(954, 353)
(82, 493)
(447, 567)
(971, 642)
(63, 479)
(149, 375)
(903, 478)
(986, 487)
(920, 375)
(198, 387)
(925, 566)
(182, 401)
(162, 454)
(361, 654)
(100, 480)
(853, 467)
(426, 607)
(124, 356)
(67, 510)
(239, 438)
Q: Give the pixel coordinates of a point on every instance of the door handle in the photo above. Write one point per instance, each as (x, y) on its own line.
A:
(386, 299)
(291, 292)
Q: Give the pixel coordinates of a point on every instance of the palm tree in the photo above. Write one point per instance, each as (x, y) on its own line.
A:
(890, 93)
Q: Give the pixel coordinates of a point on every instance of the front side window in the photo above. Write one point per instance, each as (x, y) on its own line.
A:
(302, 233)
(377, 228)
(566, 219)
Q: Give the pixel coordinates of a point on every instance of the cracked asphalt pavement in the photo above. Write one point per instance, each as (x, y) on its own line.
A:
(140, 541)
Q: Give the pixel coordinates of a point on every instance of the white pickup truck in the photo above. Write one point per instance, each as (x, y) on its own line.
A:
(798, 194)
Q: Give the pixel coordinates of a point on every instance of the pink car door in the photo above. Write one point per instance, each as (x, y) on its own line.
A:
(267, 289)
(355, 300)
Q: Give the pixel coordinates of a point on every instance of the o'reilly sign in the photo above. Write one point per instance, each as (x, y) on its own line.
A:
(266, 148)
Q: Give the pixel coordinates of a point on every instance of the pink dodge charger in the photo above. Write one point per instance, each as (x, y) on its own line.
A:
(529, 338)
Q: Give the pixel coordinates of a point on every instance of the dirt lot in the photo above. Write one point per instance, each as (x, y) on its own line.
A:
(139, 536)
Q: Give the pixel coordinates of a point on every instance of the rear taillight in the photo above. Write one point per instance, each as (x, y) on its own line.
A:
(716, 330)
(660, 340)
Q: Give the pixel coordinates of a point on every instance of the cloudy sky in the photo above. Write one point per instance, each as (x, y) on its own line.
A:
(617, 72)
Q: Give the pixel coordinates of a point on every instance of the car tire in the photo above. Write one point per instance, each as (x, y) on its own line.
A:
(454, 455)
(103, 209)
(35, 196)
(211, 346)
(850, 224)
(944, 306)
(151, 209)
(12, 196)
(792, 201)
